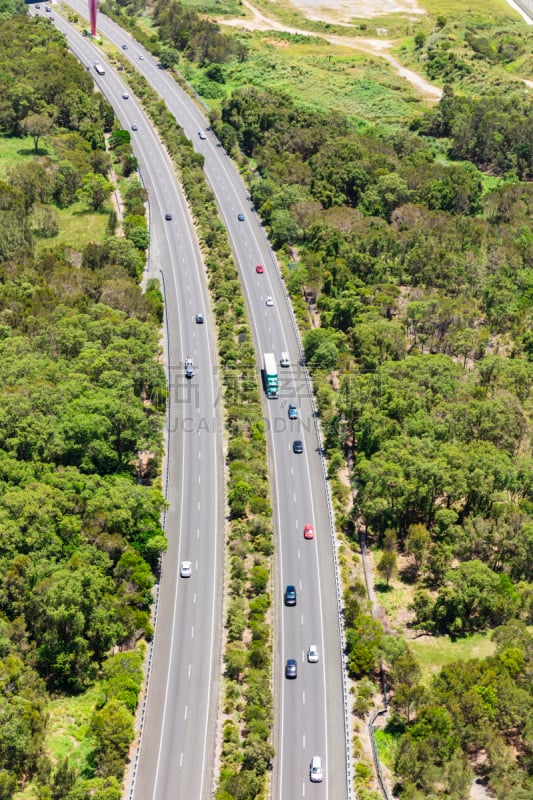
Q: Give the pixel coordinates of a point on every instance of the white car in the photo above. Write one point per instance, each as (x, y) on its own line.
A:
(125, 96)
(269, 301)
(312, 654)
(315, 771)
(202, 135)
(186, 569)
(189, 368)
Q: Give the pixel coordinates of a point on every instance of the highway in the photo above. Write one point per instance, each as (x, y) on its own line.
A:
(177, 753)
(310, 709)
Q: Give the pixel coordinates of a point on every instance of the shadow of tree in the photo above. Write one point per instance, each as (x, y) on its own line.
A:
(382, 588)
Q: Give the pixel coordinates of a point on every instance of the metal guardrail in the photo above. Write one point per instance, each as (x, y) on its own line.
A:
(338, 586)
(377, 762)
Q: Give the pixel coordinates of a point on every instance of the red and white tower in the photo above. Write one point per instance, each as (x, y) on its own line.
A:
(93, 8)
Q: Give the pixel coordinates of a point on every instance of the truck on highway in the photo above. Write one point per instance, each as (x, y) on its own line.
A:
(270, 375)
(99, 68)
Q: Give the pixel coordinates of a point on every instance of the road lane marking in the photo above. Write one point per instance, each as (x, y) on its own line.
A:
(303, 697)
(190, 667)
(181, 760)
(194, 599)
(192, 632)
(186, 711)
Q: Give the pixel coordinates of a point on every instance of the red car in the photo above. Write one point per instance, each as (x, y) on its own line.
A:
(259, 269)
(309, 532)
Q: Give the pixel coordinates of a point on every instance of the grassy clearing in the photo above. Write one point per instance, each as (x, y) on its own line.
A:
(15, 151)
(219, 8)
(433, 653)
(316, 75)
(69, 721)
(395, 597)
(77, 227)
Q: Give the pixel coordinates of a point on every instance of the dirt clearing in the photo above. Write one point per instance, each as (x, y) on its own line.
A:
(347, 10)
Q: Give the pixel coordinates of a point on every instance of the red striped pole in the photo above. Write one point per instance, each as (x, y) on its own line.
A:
(93, 7)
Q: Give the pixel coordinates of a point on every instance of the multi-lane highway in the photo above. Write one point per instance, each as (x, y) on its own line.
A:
(310, 712)
(176, 758)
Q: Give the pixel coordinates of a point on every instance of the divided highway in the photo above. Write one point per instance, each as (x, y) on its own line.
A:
(310, 711)
(178, 744)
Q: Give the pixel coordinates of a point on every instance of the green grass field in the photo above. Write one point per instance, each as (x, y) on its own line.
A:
(69, 721)
(317, 74)
(434, 653)
(14, 150)
(77, 227)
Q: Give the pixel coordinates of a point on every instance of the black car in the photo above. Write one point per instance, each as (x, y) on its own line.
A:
(290, 595)
(168, 216)
(240, 217)
(297, 446)
(291, 668)
(199, 319)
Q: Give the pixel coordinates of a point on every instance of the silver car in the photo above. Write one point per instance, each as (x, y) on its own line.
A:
(312, 654)
(186, 569)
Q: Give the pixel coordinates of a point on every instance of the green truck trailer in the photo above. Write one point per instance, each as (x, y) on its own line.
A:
(270, 375)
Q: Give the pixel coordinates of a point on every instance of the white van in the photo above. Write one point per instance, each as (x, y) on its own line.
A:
(284, 360)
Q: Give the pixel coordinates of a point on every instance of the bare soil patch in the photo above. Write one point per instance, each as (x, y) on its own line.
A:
(346, 10)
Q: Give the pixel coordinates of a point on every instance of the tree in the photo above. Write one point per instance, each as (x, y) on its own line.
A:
(95, 190)
(63, 780)
(388, 565)
(320, 348)
(112, 727)
(169, 57)
(363, 642)
(417, 544)
(37, 126)
(473, 597)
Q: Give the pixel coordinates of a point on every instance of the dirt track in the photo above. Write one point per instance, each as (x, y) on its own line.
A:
(376, 47)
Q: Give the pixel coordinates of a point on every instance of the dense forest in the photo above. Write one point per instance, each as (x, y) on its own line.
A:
(82, 396)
